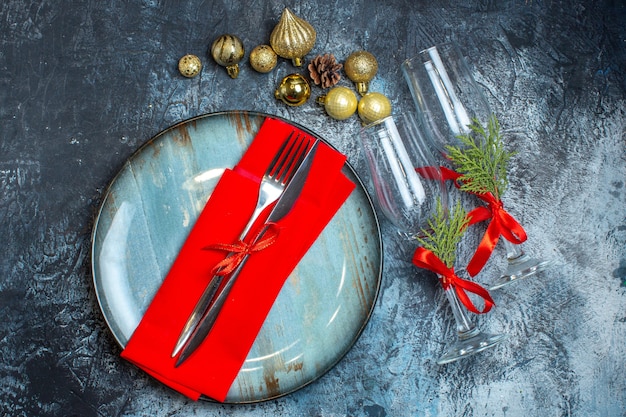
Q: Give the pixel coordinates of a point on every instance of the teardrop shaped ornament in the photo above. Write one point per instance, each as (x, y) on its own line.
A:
(293, 37)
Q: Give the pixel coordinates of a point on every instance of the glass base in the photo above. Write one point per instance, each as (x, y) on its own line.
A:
(521, 267)
(468, 344)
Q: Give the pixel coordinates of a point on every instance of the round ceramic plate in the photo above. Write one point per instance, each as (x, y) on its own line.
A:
(151, 206)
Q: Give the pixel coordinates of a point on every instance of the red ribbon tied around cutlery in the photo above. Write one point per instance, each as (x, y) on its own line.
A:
(501, 222)
(240, 249)
(213, 368)
(424, 258)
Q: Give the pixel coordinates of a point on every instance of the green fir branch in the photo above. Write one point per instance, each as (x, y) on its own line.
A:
(482, 161)
(444, 232)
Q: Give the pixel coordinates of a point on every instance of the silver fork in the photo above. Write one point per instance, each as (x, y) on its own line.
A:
(278, 174)
(276, 177)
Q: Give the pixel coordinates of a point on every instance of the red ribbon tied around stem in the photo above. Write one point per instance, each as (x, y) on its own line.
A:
(264, 238)
(424, 258)
(501, 224)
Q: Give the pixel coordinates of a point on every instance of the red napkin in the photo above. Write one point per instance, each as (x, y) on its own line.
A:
(212, 368)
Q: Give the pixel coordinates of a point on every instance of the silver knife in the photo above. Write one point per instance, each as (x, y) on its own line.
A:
(280, 210)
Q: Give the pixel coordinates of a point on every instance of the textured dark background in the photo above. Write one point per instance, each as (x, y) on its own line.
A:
(84, 83)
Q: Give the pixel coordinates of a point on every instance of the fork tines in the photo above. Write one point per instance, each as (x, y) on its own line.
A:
(289, 157)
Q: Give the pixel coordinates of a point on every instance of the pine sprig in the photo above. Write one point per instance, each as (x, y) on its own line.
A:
(445, 232)
(482, 161)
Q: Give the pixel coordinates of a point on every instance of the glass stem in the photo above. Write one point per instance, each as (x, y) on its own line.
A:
(512, 251)
(464, 327)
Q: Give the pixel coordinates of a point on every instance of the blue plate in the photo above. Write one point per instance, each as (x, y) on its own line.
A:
(151, 206)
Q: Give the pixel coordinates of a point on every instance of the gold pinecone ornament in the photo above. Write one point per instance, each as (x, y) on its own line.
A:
(293, 37)
(325, 71)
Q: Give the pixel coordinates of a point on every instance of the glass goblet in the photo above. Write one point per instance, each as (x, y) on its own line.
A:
(446, 94)
(470, 339)
(519, 265)
(447, 99)
(394, 148)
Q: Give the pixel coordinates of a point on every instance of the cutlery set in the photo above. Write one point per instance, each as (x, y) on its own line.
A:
(280, 185)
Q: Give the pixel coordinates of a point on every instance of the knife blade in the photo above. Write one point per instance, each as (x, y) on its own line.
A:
(280, 210)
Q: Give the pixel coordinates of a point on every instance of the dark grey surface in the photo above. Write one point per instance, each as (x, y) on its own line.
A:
(84, 84)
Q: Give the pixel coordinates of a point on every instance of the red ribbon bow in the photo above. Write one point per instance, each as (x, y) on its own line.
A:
(240, 249)
(501, 224)
(424, 258)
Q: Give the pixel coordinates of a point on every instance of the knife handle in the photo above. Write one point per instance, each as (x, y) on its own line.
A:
(197, 313)
(207, 320)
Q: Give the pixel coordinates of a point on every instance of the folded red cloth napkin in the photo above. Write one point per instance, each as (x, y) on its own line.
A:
(212, 368)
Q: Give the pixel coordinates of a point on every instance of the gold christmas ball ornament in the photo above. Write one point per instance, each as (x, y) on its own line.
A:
(189, 66)
(227, 51)
(293, 37)
(263, 58)
(294, 90)
(361, 67)
(373, 107)
(340, 102)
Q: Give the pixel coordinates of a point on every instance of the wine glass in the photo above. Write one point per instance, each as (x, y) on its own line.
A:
(519, 265)
(446, 95)
(470, 339)
(447, 99)
(394, 148)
